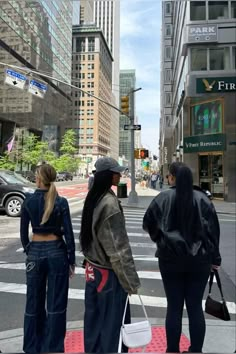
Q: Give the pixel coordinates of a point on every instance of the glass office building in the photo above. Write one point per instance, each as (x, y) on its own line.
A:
(35, 34)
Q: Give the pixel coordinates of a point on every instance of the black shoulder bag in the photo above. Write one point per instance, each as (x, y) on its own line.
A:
(216, 308)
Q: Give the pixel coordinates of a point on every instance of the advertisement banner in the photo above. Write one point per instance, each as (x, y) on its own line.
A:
(207, 118)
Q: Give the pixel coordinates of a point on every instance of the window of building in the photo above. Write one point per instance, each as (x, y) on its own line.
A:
(218, 10)
(91, 44)
(90, 103)
(90, 112)
(167, 98)
(197, 10)
(82, 85)
(168, 8)
(81, 75)
(233, 9)
(168, 53)
(89, 140)
(80, 45)
(168, 30)
(81, 103)
(198, 59)
(90, 57)
(234, 57)
(89, 131)
(168, 75)
(90, 122)
(90, 66)
(90, 84)
(90, 76)
(219, 58)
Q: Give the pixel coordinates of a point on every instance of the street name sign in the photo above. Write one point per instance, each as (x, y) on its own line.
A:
(15, 79)
(132, 127)
(37, 88)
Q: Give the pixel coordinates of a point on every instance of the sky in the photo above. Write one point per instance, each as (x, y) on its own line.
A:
(140, 30)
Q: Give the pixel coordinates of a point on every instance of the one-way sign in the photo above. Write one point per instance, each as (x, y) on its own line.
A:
(132, 127)
(15, 79)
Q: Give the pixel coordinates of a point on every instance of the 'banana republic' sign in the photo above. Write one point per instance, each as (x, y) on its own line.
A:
(216, 85)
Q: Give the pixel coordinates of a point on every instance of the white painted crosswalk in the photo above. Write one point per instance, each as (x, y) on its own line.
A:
(144, 255)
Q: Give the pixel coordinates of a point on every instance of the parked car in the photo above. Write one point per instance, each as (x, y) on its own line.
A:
(13, 190)
(64, 176)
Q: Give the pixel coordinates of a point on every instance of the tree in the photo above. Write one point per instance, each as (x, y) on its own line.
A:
(6, 162)
(35, 151)
(68, 144)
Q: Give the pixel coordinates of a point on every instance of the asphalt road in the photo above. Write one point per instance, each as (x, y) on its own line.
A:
(12, 273)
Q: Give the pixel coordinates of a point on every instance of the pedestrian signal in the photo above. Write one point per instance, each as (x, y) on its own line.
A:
(141, 153)
(125, 104)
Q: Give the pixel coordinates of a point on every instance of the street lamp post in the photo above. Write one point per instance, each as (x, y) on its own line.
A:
(133, 196)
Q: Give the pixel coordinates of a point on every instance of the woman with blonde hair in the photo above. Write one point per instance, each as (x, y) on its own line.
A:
(50, 261)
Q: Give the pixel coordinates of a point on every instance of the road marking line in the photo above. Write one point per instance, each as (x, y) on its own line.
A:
(78, 294)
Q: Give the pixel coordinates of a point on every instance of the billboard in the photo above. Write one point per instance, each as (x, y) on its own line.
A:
(207, 118)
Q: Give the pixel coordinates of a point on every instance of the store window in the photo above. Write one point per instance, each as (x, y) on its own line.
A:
(218, 10)
(207, 118)
(233, 9)
(219, 58)
(198, 59)
(197, 10)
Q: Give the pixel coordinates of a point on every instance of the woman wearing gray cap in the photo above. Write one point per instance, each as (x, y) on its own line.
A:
(110, 270)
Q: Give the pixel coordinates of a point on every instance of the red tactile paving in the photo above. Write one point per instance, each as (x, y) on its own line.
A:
(74, 342)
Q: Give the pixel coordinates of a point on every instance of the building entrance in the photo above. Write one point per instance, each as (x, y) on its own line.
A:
(211, 174)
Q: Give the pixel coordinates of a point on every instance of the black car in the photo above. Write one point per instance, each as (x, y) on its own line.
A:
(13, 190)
(64, 176)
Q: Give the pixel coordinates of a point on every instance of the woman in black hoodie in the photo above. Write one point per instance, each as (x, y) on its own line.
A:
(183, 223)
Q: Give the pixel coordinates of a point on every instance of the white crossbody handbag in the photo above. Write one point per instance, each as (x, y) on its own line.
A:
(135, 335)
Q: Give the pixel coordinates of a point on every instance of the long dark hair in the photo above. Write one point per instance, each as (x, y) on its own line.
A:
(184, 200)
(101, 184)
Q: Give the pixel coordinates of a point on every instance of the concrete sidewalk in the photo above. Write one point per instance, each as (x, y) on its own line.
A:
(146, 195)
(220, 336)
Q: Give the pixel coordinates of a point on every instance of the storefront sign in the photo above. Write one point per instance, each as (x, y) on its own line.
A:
(200, 143)
(217, 84)
(202, 33)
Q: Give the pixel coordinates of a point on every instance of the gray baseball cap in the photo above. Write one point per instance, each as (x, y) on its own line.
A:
(108, 164)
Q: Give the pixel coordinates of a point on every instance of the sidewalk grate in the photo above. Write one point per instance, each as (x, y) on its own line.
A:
(74, 342)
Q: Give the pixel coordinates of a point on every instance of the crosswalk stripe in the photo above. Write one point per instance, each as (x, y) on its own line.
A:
(78, 294)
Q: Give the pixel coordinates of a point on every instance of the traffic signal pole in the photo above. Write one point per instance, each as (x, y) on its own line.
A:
(133, 196)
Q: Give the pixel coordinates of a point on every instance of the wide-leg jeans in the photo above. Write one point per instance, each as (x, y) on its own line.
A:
(104, 307)
(47, 275)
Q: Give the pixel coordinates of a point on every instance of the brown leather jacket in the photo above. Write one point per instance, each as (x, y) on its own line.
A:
(110, 247)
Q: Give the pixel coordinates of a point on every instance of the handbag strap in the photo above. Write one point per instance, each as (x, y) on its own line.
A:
(218, 281)
(126, 303)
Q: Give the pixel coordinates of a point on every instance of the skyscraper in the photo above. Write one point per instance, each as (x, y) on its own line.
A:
(127, 83)
(37, 35)
(107, 17)
(92, 72)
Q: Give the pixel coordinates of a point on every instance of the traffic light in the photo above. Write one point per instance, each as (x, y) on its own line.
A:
(125, 104)
(140, 153)
(143, 153)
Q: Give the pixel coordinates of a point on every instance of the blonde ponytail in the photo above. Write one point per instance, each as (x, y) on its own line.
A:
(50, 198)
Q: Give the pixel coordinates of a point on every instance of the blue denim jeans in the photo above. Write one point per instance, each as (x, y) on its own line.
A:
(47, 275)
(104, 307)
